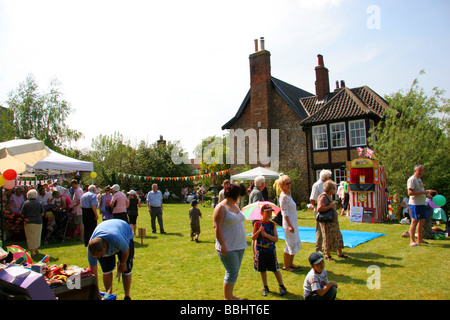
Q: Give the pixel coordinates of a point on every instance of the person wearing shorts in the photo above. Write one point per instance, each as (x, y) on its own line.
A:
(265, 259)
(110, 238)
(417, 201)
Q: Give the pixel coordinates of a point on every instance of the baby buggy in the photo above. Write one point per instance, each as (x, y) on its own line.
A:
(57, 229)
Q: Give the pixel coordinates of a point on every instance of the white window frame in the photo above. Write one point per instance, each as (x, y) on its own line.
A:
(319, 143)
(338, 137)
(339, 175)
(360, 140)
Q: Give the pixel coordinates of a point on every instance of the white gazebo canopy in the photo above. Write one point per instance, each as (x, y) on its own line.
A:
(56, 163)
(253, 173)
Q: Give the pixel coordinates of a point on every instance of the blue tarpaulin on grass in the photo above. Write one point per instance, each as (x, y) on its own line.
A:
(351, 238)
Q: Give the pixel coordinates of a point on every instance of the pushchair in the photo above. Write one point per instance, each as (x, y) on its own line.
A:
(58, 228)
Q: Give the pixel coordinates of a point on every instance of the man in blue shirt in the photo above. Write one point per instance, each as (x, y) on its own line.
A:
(155, 207)
(112, 237)
(88, 204)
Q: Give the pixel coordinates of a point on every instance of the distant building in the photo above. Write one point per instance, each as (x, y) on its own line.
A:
(316, 131)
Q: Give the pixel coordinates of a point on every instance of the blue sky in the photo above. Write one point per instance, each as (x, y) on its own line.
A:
(180, 68)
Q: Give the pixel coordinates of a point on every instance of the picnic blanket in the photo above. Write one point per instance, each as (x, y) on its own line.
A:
(351, 238)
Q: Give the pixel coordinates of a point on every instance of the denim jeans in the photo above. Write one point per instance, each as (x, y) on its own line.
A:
(232, 263)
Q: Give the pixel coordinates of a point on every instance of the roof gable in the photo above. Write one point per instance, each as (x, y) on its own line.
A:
(288, 92)
(345, 104)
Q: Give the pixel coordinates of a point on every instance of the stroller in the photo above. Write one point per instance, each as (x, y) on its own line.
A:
(58, 228)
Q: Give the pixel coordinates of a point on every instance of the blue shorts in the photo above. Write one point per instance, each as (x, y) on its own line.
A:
(418, 212)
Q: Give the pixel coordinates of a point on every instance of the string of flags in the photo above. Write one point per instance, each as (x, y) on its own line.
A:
(369, 152)
(185, 178)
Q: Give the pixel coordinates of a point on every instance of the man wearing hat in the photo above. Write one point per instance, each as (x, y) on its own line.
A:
(316, 285)
(119, 203)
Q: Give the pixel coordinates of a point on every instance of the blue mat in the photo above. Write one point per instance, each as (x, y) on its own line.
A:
(351, 238)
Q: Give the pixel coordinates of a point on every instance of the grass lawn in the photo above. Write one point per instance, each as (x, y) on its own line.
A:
(171, 267)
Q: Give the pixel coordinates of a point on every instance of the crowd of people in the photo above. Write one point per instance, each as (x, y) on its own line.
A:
(231, 240)
(119, 212)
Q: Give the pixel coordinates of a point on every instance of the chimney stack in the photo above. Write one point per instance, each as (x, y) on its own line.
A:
(322, 82)
(260, 86)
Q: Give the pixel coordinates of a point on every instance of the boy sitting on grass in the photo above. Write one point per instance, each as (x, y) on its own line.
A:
(316, 285)
(265, 234)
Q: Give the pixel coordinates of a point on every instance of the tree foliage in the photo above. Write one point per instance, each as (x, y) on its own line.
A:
(116, 160)
(415, 131)
(41, 115)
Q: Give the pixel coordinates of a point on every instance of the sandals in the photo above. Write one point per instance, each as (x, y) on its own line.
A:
(329, 259)
(344, 256)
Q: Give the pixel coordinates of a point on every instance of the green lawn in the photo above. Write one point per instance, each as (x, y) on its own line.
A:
(171, 267)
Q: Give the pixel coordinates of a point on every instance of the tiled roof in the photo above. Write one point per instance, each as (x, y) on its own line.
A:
(344, 104)
(341, 104)
(288, 92)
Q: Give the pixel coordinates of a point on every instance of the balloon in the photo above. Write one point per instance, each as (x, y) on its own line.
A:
(93, 175)
(432, 205)
(10, 174)
(2, 180)
(439, 200)
(9, 184)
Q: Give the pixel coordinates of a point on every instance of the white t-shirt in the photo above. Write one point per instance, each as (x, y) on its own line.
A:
(317, 189)
(314, 281)
(416, 185)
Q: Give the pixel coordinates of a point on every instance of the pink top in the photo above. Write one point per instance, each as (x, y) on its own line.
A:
(120, 202)
(76, 198)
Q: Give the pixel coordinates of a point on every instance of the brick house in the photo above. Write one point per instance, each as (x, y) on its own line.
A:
(316, 132)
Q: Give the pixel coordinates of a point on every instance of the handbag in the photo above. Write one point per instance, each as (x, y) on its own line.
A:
(278, 219)
(326, 216)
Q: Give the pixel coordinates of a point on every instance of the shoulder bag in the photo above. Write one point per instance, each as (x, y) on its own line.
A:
(326, 216)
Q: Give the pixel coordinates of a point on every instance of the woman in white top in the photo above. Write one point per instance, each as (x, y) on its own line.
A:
(290, 225)
(230, 237)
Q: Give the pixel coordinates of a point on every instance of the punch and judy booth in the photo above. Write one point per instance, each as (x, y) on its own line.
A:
(367, 191)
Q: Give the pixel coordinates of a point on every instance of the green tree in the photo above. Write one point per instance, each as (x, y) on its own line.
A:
(415, 131)
(212, 152)
(41, 115)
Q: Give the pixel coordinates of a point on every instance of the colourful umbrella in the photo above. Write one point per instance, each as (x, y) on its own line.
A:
(19, 254)
(252, 211)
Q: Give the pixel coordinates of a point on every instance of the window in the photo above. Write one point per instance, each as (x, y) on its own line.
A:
(320, 139)
(338, 139)
(339, 175)
(357, 130)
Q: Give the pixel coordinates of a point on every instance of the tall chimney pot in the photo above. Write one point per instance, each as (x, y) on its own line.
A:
(261, 40)
(342, 84)
(322, 82)
(256, 45)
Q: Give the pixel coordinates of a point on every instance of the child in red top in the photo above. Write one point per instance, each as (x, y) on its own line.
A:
(265, 234)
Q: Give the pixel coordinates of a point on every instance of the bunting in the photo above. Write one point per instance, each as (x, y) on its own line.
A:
(185, 178)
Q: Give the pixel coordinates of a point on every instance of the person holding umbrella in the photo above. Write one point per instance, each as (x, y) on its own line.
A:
(265, 234)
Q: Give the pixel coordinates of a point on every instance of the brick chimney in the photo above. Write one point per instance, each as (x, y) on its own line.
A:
(260, 86)
(322, 81)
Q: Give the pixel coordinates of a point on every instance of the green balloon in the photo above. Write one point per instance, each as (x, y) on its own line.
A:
(439, 200)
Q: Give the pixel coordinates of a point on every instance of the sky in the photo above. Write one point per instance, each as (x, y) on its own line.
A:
(180, 68)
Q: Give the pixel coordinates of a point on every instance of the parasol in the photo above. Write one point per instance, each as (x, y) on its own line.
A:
(19, 254)
(17, 154)
(252, 211)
